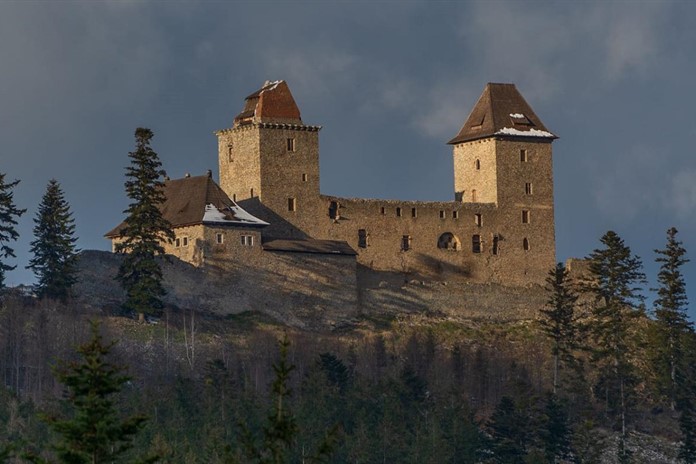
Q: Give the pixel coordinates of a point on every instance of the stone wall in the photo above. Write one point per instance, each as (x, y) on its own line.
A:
(298, 289)
(511, 217)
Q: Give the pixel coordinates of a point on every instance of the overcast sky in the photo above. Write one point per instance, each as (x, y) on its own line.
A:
(390, 82)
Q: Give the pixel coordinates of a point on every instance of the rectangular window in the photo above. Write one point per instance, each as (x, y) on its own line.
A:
(405, 242)
(292, 204)
(442, 214)
(184, 241)
(362, 238)
(455, 214)
(398, 212)
(478, 219)
(177, 242)
(382, 211)
(229, 153)
(219, 238)
(528, 188)
(304, 177)
(525, 216)
(495, 244)
(291, 144)
(523, 156)
(525, 244)
(234, 197)
(248, 240)
(414, 213)
(476, 243)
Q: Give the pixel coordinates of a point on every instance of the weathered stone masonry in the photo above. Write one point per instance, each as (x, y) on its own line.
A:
(499, 228)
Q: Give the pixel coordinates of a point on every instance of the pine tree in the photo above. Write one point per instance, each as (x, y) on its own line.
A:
(686, 398)
(145, 228)
(9, 213)
(615, 278)
(55, 256)
(509, 433)
(94, 433)
(555, 433)
(671, 317)
(558, 320)
(281, 426)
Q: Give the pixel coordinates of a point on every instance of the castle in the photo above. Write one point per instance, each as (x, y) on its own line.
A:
(498, 228)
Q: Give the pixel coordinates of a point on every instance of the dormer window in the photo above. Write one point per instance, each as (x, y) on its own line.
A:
(519, 119)
(479, 123)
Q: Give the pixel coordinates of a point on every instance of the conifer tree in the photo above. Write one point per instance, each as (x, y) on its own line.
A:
(558, 320)
(671, 317)
(9, 213)
(555, 433)
(615, 281)
(94, 432)
(55, 256)
(145, 228)
(509, 433)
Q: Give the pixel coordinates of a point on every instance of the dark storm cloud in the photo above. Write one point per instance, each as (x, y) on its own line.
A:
(390, 82)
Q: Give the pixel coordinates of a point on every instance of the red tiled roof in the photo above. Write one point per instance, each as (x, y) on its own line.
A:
(271, 102)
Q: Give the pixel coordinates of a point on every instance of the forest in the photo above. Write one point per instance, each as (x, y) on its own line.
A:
(597, 377)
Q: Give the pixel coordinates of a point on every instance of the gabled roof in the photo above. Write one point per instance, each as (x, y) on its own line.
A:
(501, 111)
(272, 102)
(199, 200)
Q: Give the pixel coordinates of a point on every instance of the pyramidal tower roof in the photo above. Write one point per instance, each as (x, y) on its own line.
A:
(501, 111)
(271, 103)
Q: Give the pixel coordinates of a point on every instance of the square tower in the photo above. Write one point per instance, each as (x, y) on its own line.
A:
(270, 156)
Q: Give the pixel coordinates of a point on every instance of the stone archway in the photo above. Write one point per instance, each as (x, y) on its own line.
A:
(449, 241)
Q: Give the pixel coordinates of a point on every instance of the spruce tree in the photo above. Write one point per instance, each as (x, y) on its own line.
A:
(671, 318)
(145, 229)
(9, 213)
(556, 435)
(615, 280)
(55, 256)
(94, 432)
(558, 320)
(509, 433)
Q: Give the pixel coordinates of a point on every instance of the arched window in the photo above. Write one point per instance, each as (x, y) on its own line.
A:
(449, 241)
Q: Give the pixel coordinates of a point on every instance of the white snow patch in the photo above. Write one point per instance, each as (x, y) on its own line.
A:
(272, 85)
(517, 115)
(527, 133)
(214, 215)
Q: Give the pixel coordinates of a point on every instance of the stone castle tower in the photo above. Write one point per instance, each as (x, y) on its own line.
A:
(498, 228)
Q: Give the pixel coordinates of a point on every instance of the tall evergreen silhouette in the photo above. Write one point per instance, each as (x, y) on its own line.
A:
(54, 260)
(671, 317)
(9, 213)
(93, 431)
(145, 229)
(615, 281)
(559, 321)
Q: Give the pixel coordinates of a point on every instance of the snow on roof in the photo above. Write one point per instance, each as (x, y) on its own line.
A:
(270, 86)
(525, 133)
(237, 216)
(517, 115)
